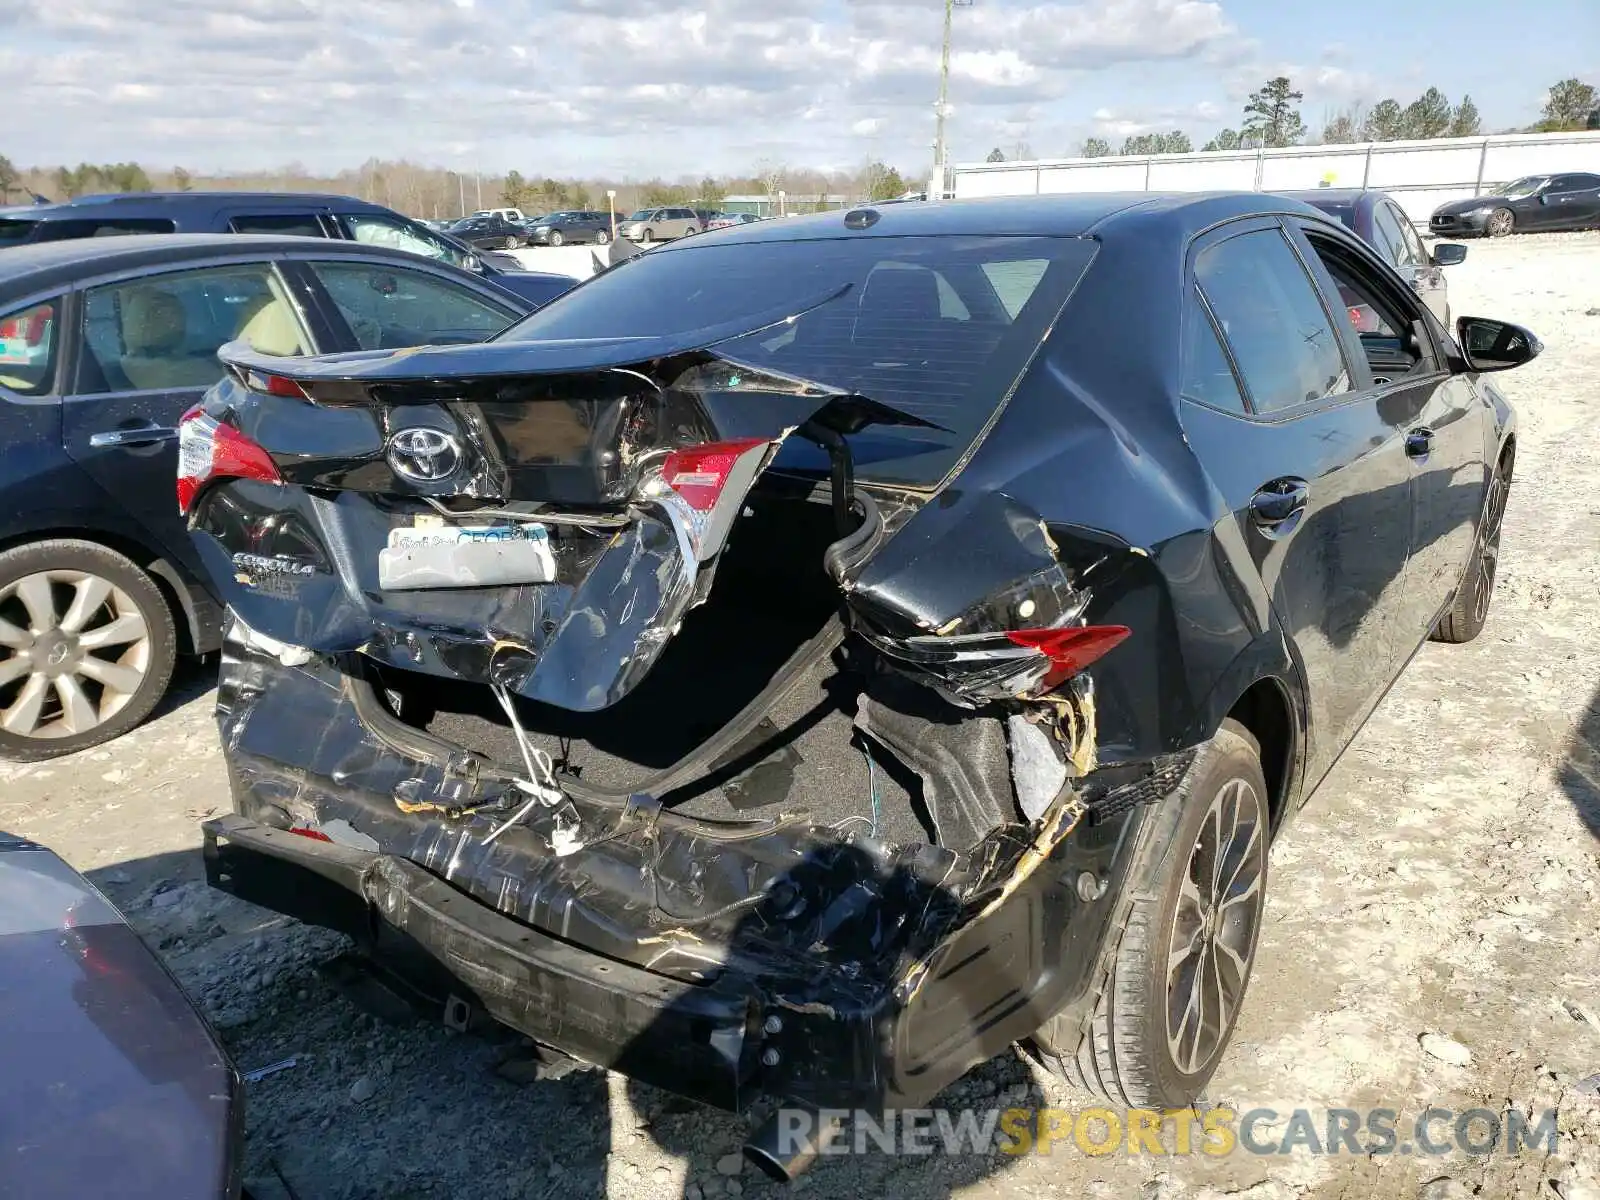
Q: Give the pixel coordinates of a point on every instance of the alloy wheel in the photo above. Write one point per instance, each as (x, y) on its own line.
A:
(1214, 926)
(1500, 222)
(74, 651)
(1494, 511)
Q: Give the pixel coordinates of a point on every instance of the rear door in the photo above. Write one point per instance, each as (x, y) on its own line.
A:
(147, 351)
(1443, 419)
(1309, 458)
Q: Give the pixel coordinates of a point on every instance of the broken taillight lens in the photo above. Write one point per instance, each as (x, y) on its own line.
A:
(209, 449)
(700, 473)
(1072, 649)
(1001, 665)
(706, 486)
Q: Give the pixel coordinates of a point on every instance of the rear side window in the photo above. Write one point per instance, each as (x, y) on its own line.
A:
(286, 224)
(162, 333)
(1207, 376)
(1273, 319)
(390, 308)
(60, 231)
(28, 349)
(14, 232)
(375, 229)
(938, 328)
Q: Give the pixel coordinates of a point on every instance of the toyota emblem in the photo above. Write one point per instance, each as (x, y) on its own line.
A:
(423, 455)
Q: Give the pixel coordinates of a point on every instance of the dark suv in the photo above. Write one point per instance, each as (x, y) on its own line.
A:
(282, 213)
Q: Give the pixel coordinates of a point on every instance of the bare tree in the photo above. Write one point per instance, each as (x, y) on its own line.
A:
(773, 177)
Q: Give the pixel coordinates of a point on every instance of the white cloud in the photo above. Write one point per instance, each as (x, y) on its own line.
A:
(556, 86)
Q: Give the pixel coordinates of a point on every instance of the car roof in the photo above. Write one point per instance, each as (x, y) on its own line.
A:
(41, 266)
(166, 201)
(1040, 216)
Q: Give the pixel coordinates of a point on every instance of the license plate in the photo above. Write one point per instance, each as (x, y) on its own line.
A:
(454, 556)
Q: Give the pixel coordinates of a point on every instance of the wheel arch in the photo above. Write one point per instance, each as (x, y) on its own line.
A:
(199, 616)
(1265, 709)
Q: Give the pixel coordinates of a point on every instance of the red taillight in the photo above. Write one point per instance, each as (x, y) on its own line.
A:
(315, 835)
(699, 473)
(1072, 649)
(209, 449)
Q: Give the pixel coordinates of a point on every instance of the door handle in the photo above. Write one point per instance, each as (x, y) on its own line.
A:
(147, 435)
(1277, 507)
(1419, 443)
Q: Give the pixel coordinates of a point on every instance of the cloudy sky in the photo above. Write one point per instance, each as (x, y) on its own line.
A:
(641, 87)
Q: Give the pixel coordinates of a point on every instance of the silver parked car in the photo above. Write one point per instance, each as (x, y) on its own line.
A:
(660, 224)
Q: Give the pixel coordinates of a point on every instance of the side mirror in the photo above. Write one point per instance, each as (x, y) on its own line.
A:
(1448, 254)
(472, 263)
(1544, 197)
(1490, 345)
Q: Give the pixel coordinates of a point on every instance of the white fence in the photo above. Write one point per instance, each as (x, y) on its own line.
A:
(1421, 175)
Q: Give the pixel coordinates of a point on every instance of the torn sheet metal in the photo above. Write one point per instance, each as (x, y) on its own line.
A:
(961, 759)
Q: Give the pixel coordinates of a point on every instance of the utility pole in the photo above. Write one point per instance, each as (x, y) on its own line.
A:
(936, 186)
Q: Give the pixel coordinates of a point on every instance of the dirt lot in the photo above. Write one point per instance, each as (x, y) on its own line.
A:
(1446, 881)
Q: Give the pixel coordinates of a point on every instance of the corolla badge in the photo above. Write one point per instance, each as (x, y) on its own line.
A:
(423, 455)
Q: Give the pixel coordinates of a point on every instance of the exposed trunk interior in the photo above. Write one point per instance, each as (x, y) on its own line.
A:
(770, 595)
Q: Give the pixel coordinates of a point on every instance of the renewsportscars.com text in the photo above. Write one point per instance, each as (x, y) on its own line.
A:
(1213, 1132)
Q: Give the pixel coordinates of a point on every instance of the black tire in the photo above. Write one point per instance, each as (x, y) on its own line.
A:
(1500, 223)
(649, 235)
(603, 238)
(1469, 611)
(127, 676)
(557, 238)
(510, 244)
(1125, 1056)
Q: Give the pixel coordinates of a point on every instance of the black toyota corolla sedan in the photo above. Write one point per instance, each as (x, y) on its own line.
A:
(805, 659)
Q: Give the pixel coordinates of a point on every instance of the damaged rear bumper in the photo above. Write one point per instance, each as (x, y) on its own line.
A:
(678, 1036)
(724, 961)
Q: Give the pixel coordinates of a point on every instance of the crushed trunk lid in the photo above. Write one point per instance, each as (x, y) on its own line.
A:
(539, 516)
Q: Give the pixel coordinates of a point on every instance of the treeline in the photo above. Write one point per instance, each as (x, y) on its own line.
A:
(435, 192)
(1272, 118)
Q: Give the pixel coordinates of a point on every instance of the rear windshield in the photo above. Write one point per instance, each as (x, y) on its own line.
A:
(1344, 213)
(14, 232)
(939, 328)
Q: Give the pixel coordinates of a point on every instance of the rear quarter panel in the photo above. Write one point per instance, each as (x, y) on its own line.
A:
(1092, 444)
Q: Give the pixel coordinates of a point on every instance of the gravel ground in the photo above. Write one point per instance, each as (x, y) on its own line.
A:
(1445, 882)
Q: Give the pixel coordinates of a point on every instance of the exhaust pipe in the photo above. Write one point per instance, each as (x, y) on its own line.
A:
(791, 1139)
